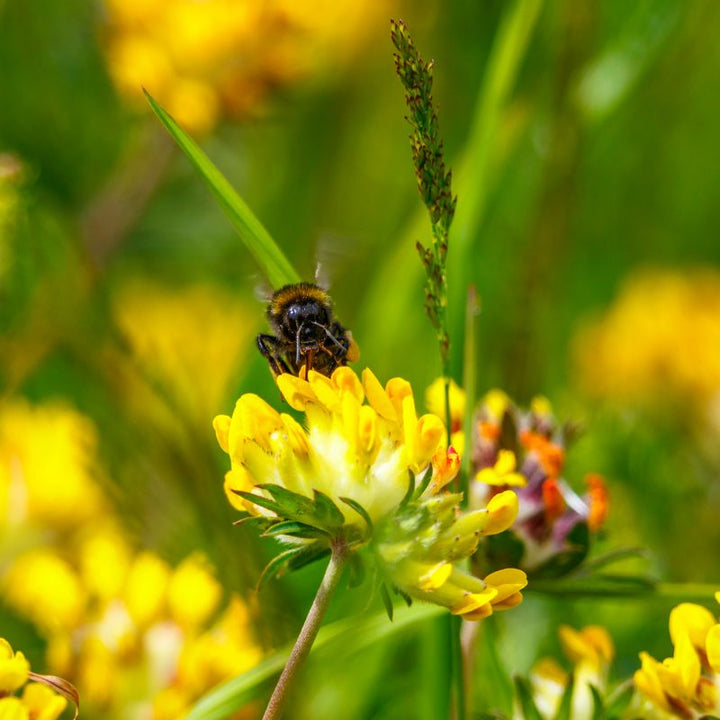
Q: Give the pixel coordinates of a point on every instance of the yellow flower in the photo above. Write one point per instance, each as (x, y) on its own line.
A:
(45, 588)
(145, 588)
(435, 401)
(658, 342)
(503, 472)
(591, 651)
(193, 592)
(205, 59)
(369, 471)
(37, 702)
(47, 454)
(685, 685)
(351, 449)
(180, 340)
(14, 668)
(42, 702)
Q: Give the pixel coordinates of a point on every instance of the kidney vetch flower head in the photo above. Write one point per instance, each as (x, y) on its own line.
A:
(365, 473)
(525, 450)
(687, 685)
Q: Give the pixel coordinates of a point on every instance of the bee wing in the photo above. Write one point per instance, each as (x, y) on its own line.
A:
(334, 253)
(262, 290)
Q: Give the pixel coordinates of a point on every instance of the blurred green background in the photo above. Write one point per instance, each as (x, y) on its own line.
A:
(584, 142)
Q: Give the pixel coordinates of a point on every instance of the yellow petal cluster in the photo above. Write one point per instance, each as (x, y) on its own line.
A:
(361, 442)
(37, 701)
(686, 684)
(365, 442)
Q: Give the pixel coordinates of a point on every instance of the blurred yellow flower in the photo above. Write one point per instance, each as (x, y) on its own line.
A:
(136, 633)
(181, 341)
(193, 592)
(687, 685)
(47, 466)
(14, 668)
(591, 652)
(435, 401)
(37, 702)
(45, 588)
(206, 59)
(658, 342)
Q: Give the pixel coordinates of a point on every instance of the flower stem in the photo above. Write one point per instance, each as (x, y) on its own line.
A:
(308, 632)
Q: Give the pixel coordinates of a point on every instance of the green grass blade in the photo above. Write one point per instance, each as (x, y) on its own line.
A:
(228, 698)
(268, 255)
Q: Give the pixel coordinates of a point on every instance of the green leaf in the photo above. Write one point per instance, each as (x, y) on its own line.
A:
(327, 512)
(424, 482)
(360, 510)
(260, 500)
(295, 529)
(565, 710)
(267, 254)
(276, 566)
(291, 504)
(525, 698)
(307, 555)
(387, 601)
(356, 566)
(410, 492)
(599, 712)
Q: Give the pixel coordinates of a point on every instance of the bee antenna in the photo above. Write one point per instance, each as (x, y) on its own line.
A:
(328, 333)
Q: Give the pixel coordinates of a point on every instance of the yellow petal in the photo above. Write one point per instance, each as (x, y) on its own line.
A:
(346, 381)
(325, 390)
(688, 665)
(473, 601)
(692, 620)
(507, 576)
(648, 683)
(14, 669)
(367, 429)
(42, 702)
(502, 511)
(377, 396)
(296, 391)
(222, 430)
(12, 709)
(397, 390)
(435, 577)
(600, 639)
(712, 648)
(430, 432)
(505, 462)
(239, 479)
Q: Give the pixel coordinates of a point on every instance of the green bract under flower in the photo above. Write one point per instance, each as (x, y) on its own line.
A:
(367, 472)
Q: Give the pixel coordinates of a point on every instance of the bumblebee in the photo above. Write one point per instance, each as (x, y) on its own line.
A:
(306, 333)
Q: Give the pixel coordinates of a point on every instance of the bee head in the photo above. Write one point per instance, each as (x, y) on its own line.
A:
(304, 319)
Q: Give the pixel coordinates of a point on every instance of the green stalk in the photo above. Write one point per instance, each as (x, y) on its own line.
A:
(308, 633)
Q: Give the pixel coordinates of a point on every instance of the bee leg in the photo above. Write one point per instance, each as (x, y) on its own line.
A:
(269, 347)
